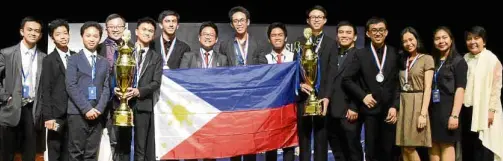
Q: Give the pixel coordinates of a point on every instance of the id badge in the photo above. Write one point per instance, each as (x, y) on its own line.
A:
(436, 96)
(26, 91)
(92, 93)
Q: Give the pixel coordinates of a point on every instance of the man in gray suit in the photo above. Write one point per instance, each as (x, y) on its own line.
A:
(20, 68)
(87, 85)
(205, 57)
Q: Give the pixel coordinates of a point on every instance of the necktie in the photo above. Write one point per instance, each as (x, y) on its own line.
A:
(93, 65)
(206, 54)
(279, 58)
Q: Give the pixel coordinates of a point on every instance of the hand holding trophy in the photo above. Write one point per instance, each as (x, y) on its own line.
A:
(309, 63)
(124, 72)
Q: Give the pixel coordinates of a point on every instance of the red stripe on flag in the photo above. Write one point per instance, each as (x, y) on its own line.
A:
(241, 132)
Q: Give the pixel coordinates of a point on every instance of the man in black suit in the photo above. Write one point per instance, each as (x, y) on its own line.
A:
(170, 47)
(147, 80)
(372, 82)
(20, 69)
(243, 48)
(53, 91)
(343, 126)
(325, 48)
(206, 57)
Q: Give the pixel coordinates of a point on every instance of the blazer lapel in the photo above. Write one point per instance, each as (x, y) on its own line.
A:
(59, 61)
(18, 64)
(233, 53)
(40, 58)
(85, 64)
(198, 59)
(387, 64)
(251, 49)
(214, 60)
(146, 62)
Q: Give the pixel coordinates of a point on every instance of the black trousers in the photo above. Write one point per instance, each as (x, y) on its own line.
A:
(144, 144)
(57, 144)
(22, 136)
(84, 137)
(288, 154)
(344, 139)
(307, 125)
(472, 148)
(248, 157)
(380, 138)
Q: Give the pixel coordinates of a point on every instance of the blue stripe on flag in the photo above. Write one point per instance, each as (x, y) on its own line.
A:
(240, 88)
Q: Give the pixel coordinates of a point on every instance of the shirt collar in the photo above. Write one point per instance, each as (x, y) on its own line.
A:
(89, 53)
(25, 49)
(203, 51)
(472, 56)
(63, 54)
(283, 52)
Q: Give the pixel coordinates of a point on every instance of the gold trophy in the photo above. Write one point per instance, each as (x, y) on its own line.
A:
(309, 63)
(124, 72)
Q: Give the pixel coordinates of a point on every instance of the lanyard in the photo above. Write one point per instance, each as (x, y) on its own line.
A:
(380, 65)
(210, 59)
(25, 76)
(242, 51)
(436, 73)
(163, 53)
(318, 45)
(409, 66)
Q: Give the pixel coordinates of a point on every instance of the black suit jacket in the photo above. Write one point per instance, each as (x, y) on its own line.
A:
(363, 69)
(339, 101)
(149, 82)
(176, 56)
(254, 54)
(53, 88)
(327, 50)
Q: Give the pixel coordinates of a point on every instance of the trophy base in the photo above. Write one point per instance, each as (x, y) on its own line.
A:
(313, 107)
(123, 118)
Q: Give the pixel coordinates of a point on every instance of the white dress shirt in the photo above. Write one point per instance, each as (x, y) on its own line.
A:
(88, 56)
(272, 58)
(63, 56)
(210, 58)
(29, 65)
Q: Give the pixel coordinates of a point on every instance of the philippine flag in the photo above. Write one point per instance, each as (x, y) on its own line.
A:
(225, 112)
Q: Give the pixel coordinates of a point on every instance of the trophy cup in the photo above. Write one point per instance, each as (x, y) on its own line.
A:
(124, 72)
(309, 63)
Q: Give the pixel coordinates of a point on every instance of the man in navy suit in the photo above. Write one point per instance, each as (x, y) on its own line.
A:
(87, 85)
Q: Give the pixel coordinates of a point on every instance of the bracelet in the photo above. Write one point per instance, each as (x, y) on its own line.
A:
(492, 110)
(424, 116)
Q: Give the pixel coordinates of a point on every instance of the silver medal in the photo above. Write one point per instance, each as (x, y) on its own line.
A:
(380, 77)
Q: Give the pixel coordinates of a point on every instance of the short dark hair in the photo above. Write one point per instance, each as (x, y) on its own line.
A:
(347, 23)
(375, 20)
(30, 19)
(166, 13)
(89, 24)
(317, 7)
(477, 31)
(276, 25)
(58, 23)
(146, 20)
(239, 9)
(114, 16)
(208, 24)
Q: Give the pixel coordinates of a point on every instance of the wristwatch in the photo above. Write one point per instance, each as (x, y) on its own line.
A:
(454, 116)
(492, 110)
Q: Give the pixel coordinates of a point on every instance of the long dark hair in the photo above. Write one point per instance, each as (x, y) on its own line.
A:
(453, 52)
(419, 47)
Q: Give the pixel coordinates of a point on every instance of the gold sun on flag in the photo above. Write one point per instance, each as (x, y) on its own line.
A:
(180, 112)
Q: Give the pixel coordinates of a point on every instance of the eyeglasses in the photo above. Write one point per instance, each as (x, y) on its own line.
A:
(116, 27)
(208, 35)
(316, 17)
(374, 30)
(236, 21)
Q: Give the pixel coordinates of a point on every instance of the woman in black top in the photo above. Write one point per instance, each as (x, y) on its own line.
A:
(449, 82)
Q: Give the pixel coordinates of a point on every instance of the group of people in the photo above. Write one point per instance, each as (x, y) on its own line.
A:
(404, 97)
